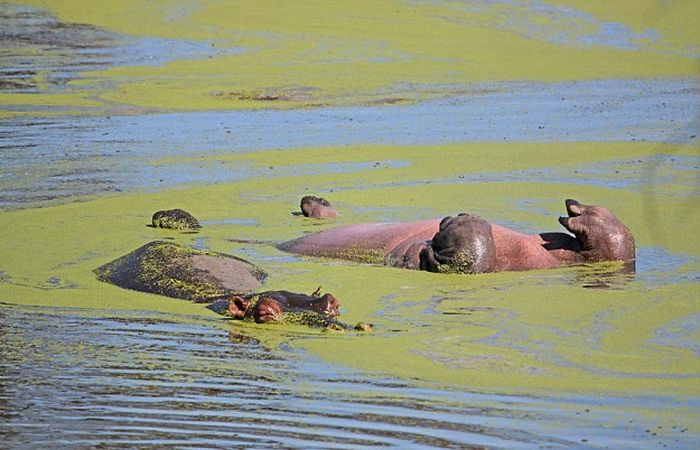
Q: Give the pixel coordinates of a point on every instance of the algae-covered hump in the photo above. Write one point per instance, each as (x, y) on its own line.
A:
(176, 219)
(169, 269)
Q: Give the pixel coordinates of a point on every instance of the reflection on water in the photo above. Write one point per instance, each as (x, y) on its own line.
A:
(63, 157)
(606, 275)
(69, 380)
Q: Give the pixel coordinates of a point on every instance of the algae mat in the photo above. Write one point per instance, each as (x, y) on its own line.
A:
(393, 111)
(177, 55)
(578, 329)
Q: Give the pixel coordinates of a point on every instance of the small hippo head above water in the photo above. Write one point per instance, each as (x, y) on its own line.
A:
(602, 236)
(317, 207)
(269, 306)
(315, 310)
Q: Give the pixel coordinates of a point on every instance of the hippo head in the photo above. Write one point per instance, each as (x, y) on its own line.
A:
(464, 244)
(317, 207)
(602, 236)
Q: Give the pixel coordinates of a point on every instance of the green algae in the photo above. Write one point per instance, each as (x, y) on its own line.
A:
(328, 53)
(358, 253)
(530, 332)
(463, 262)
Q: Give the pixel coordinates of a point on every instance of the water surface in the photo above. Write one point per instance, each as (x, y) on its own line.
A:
(68, 379)
(108, 116)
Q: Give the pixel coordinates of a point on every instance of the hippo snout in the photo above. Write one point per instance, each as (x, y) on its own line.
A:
(329, 305)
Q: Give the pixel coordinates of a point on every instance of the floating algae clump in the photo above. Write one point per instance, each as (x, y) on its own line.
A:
(181, 272)
(322, 321)
(175, 219)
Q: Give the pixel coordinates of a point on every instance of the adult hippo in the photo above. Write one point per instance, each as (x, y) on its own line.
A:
(223, 281)
(469, 244)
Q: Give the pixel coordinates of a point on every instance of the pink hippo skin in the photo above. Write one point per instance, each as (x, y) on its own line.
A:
(317, 208)
(469, 244)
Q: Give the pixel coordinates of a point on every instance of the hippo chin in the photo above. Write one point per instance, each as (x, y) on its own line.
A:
(469, 244)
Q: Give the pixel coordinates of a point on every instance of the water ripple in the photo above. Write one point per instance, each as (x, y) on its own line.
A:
(67, 380)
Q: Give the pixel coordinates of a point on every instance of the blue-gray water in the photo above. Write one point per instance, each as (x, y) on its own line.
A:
(51, 159)
(72, 380)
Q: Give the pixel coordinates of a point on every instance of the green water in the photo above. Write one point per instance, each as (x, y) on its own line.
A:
(572, 333)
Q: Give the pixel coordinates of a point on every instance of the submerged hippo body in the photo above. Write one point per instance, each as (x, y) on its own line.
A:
(175, 219)
(224, 281)
(172, 270)
(469, 244)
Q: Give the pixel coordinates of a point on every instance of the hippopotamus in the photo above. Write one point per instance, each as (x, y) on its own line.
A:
(175, 219)
(317, 208)
(314, 310)
(467, 243)
(169, 269)
(225, 282)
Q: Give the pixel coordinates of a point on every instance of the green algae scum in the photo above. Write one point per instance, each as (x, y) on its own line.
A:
(393, 111)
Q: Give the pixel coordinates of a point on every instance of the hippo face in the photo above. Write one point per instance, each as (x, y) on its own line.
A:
(270, 306)
(317, 207)
(602, 236)
(464, 244)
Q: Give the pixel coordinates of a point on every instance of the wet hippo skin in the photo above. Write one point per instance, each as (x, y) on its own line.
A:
(468, 244)
(317, 208)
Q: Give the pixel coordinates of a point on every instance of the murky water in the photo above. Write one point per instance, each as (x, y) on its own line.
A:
(69, 380)
(56, 158)
(97, 367)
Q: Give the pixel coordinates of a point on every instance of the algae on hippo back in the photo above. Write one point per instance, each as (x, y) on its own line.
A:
(169, 269)
(175, 219)
(223, 281)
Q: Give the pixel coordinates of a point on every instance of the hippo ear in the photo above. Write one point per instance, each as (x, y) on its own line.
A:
(577, 220)
(238, 307)
(574, 208)
(602, 236)
(444, 222)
